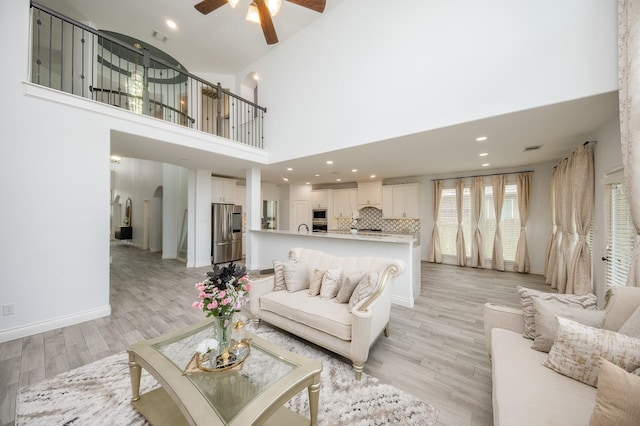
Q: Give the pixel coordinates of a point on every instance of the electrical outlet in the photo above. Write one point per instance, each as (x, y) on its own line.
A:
(8, 309)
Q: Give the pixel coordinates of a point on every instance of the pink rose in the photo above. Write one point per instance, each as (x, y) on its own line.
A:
(247, 287)
(226, 301)
(222, 294)
(202, 295)
(201, 305)
(212, 305)
(195, 304)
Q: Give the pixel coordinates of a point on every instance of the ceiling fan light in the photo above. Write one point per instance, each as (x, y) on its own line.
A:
(274, 6)
(252, 14)
(233, 3)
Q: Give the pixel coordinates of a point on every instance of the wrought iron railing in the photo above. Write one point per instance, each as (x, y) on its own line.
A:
(69, 56)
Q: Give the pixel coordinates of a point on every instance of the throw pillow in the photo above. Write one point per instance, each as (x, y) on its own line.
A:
(330, 283)
(278, 270)
(587, 301)
(578, 347)
(617, 397)
(363, 289)
(316, 282)
(631, 326)
(547, 324)
(296, 276)
(350, 283)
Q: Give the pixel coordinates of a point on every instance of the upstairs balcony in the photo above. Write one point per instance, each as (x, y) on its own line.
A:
(69, 56)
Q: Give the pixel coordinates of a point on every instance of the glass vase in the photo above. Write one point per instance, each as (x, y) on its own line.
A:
(223, 325)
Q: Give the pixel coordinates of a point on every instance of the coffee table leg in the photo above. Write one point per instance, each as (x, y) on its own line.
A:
(134, 372)
(314, 398)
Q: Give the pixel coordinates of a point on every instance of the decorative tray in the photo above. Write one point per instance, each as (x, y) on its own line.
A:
(238, 353)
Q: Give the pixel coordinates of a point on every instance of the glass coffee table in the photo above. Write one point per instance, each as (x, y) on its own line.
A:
(253, 393)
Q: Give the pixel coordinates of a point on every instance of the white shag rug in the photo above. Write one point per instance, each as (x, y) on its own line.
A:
(99, 394)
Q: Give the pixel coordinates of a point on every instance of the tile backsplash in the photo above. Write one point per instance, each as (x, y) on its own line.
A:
(371, 218)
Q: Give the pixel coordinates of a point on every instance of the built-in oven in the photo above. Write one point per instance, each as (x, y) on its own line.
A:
(319, 222)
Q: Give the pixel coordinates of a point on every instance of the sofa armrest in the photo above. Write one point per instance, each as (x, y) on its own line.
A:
(259, 287)
(498, 316)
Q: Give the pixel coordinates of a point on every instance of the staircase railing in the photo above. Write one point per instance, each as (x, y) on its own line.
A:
(69, 56)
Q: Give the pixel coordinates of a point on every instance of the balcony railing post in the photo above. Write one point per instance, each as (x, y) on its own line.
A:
(219, 109)
(146, 63)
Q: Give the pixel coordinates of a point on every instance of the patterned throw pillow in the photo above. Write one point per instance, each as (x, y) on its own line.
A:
(278, 270)
(296, 276)
(331, 283)
(577, 350)
(363, 289)
(347, 287)
(316, 282)
(547, 323)
(617, 397)
(588, 301)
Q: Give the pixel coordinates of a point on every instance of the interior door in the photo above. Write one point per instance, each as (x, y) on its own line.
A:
(300, 214)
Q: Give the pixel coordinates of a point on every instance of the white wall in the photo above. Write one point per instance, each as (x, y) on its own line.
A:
(367, 71)
(174, 203)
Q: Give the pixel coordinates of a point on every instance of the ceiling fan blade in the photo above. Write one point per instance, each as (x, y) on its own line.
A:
(207, 6)
(316, 5)
(266, 22)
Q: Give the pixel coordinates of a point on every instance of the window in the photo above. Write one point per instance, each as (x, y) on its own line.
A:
(448, 221)
(620, 234)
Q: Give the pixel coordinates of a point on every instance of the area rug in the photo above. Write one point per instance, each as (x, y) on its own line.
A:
(99, 394)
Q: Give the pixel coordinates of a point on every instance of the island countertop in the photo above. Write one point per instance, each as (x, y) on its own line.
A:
(347, 235)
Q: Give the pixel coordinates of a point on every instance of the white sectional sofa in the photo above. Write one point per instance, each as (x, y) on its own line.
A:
(525, 392)
(324, 322)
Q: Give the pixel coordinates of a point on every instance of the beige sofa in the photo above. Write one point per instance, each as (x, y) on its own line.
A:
(324, 322)
(524, 391)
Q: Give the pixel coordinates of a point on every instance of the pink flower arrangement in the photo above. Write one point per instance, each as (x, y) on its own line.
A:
(224, 291)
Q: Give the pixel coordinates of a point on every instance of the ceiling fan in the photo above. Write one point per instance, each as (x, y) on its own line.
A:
(262, 11)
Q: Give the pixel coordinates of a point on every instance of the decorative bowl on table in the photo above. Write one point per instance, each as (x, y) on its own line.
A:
(354, 231)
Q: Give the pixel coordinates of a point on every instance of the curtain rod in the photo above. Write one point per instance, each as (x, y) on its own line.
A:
(567, 156)
(492, 174)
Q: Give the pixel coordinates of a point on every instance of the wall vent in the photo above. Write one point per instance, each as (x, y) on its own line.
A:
(158, 35)
(532, 148)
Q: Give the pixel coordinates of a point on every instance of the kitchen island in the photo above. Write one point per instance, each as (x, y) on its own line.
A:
(275, 245)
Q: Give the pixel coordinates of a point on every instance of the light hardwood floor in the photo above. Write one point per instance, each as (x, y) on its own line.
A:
(435, 351)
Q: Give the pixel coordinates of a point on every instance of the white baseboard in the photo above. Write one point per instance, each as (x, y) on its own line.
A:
(52, 324)
(402, 301)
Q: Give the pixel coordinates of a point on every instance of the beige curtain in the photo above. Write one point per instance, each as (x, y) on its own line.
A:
(582, 187)
(550, 258)
(629, 98)
(435, 250)
(559, 276)
(521, 263)
(497, 258)
(477, 250)
(460, 246)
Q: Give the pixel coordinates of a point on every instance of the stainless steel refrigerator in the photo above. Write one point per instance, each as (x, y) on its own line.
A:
(226, 233)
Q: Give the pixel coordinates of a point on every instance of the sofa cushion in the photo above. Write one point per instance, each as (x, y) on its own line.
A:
(617, 397)
(547, 324)
(278, 271)
(331, 318)
(631, 326)
(363, 289)
(331, 283)
(578, 348)
(349, 284)
(527, 394)
(587, 301)
(316, 282)
(296, 276)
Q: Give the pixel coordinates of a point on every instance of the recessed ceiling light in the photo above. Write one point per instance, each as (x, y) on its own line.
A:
(317, 175)
(485, 165)
(354, 170)
(171, 24)
(308, 183)
(289, 169)
(116, 159)
(372, 176)
(285, 179)
(481, 138)
(484, 154)
(338, 180)
(329, 162)
(256, 77)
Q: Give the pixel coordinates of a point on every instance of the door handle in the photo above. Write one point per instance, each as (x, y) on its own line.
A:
(606, 259)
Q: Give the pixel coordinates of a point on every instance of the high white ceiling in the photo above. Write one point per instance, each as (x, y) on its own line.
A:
(223, 42)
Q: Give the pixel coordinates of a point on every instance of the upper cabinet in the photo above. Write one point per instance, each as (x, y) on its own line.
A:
(400, 201)
(320, 198)
(223, 190)
(345, 202)
(370, 194)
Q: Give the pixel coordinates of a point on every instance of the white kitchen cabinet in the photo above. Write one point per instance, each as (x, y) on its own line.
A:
(320, 198)
(223, 190)
(370, 194)
(400, 201)
(345, 202)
